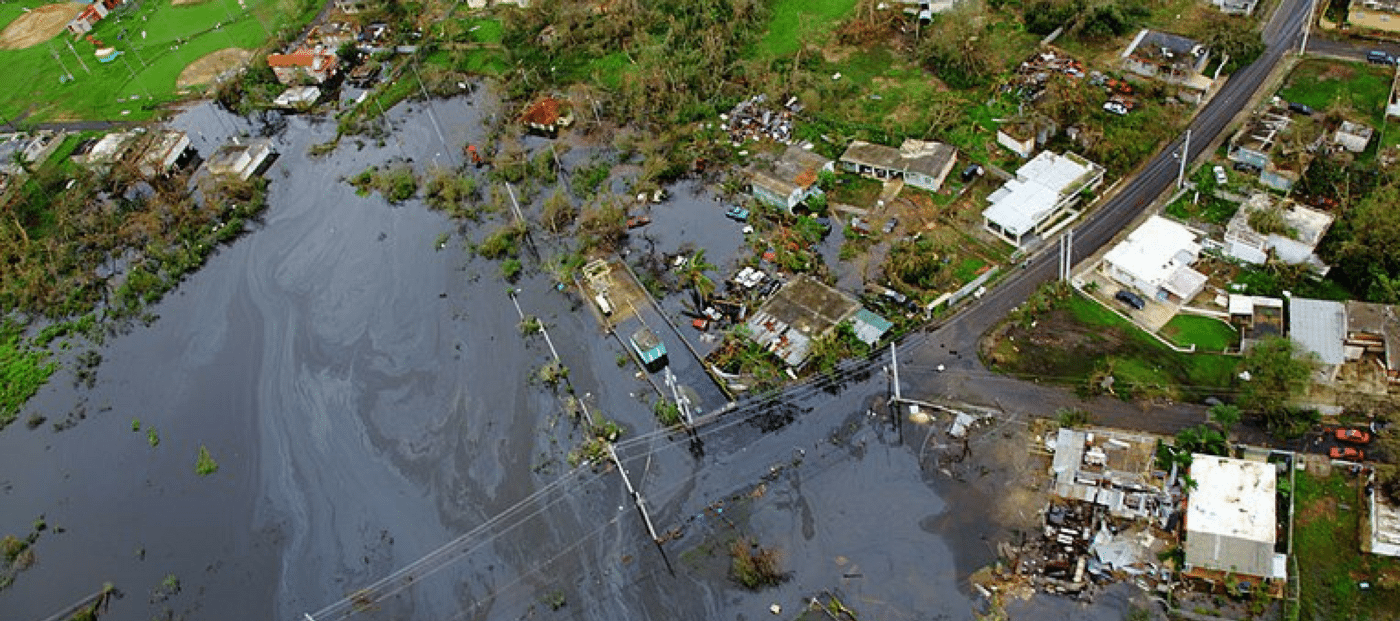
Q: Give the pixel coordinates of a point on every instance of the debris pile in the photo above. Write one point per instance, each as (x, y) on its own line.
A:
(1110, 518)
(1035, 71)
(752, 120)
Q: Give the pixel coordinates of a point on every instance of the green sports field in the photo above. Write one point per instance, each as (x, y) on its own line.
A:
(146, 72)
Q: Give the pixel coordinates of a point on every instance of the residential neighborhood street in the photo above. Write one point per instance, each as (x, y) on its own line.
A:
(953, 344)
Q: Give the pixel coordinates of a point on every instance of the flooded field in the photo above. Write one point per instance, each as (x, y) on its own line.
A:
(386, 450)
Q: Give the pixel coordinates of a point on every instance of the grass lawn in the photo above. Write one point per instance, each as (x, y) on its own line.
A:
(1327, 527)
(1079, 340)
(1206, 333)
(1359, 86)
(968, 269)
(856, 190)
(146, 71)
(789, 16)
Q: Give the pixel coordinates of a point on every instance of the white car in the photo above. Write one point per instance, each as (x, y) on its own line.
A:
(1220, 177)
(1116, 107)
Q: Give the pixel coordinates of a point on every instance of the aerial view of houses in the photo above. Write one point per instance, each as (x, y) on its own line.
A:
(597, 309)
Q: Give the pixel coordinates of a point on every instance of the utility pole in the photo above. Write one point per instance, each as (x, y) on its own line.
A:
(413, 63)
(133, 76)
(1307, 26)
(1066, 254)
(1185, 154)
(77, 55)
(60, 63)
(897, 398)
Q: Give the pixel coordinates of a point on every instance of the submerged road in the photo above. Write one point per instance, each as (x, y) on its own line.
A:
(954, 343)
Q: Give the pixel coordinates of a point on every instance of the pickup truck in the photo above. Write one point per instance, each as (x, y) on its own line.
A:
(737, 213)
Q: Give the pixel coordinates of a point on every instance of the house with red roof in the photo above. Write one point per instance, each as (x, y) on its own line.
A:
(94, 13)
(316, 64)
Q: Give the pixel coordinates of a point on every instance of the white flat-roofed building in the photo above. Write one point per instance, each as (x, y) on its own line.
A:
(1044, 189)
(1156, 260)
(1232, 519)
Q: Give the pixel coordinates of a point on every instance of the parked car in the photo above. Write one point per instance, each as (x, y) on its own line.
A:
(1220, 176)
(1355, 436)
(737, 213)
(1131, 299)
(1300, 108)
(971, 172)
(1115, 107)
(1380, 57)
(890, 224)
(1346, 452)
(1247, 167)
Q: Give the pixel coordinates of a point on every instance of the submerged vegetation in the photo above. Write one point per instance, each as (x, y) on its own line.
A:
(204, 463)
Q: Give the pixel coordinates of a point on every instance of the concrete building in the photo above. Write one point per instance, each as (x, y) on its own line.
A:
(920, 163)
(1319, 327)
(1296, 246)
(163, 152)
(1044, 191)
(1167, 57)
(1373, 330)
(1232, 519)
(298, 97)
(1353, 136)
(790, 179)
(1253, 145)
(105, 151)
(1235, 7)
(802, 311)
(18, 150)
(1023, 137)
(1156, 260)
(240, 159)
(1374, 15)
(1256, 317)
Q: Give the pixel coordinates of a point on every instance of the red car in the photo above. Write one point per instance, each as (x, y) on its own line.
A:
(1355, 436)
(1347, 453)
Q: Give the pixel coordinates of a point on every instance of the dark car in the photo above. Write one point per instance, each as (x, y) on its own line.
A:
(1131, 299)
(1379, 57)
(1300, 108)
(971, 172)
(890, 224)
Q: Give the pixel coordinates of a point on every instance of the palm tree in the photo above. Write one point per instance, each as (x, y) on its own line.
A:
(694, 277)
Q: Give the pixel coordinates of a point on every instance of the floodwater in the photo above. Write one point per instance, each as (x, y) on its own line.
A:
(385, 453)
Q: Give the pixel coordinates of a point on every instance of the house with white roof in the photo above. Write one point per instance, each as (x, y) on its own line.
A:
(1232, 520)
(1319, 327)
(1156, 259)
(1295, 245)
(1044, 191)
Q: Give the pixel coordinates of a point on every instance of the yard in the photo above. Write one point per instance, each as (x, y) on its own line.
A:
(1360, 87)
(157, 40)
(786, 29)
(1069, 339)
(1206, 333)
(1331, 566)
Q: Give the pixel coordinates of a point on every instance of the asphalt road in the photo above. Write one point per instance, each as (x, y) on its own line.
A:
(954, 343)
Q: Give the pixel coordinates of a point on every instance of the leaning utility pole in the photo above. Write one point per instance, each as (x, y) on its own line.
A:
(896, 398)
(77, 56)
(1307, 26)
(1066, 255)
(1185, 154)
